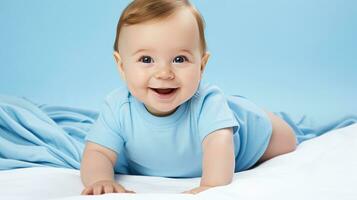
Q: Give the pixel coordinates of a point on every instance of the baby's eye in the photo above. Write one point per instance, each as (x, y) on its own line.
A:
(180, 59)
(146, 59)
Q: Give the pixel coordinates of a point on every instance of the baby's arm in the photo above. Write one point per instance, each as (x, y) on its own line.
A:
(218, 160)
(97, 172)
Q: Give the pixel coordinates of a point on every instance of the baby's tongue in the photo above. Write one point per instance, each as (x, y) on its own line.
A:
(164, 91)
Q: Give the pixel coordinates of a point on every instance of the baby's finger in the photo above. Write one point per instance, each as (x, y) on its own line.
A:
(87, 191)
(119, 189)
(108, 189)
(97, 190)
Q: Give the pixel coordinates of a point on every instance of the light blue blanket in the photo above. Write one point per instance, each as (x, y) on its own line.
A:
(43, 135)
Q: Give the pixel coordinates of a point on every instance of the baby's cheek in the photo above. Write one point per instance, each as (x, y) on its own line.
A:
(136, 85)
(137, 78)
(191, 82)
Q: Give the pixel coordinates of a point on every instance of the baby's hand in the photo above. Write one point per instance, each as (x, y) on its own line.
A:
(197, 190)
(103, 187)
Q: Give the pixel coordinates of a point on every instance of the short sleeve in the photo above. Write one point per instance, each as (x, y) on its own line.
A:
(215, 114)
(106, 130)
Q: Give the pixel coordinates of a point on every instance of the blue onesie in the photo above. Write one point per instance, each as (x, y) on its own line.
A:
(171, 146)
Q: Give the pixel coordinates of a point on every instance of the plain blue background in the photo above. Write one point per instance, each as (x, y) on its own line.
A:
(298, 56)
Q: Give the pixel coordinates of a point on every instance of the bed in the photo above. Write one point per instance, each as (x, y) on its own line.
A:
(321, 168)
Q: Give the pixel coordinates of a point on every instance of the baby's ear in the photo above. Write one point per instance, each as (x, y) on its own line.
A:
(204, 60)
(119, 63)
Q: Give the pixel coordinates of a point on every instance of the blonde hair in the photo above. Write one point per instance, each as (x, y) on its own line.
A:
(139, 11)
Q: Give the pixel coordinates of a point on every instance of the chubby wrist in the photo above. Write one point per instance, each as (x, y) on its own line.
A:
(214, 184)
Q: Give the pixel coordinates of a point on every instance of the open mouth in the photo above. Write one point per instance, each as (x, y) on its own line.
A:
(164, 92)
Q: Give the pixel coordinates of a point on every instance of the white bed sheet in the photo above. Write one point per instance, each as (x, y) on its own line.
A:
(321, 168)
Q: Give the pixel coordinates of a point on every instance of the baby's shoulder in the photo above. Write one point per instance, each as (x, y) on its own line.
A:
(117, 98)
(208, 91)
(206, 97)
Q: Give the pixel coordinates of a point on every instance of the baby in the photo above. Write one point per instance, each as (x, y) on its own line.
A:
(166, 122)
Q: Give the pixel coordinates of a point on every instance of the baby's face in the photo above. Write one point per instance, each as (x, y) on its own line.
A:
(162, 54)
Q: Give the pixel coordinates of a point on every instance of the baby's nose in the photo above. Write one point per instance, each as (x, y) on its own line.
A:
(165, 74)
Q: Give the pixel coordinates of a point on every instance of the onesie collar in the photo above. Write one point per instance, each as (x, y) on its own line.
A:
(168, 120)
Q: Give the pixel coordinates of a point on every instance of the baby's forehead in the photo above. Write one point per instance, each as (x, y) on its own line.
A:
(179, 30)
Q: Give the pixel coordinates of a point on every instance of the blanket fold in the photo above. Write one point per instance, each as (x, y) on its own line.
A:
(41, 135)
